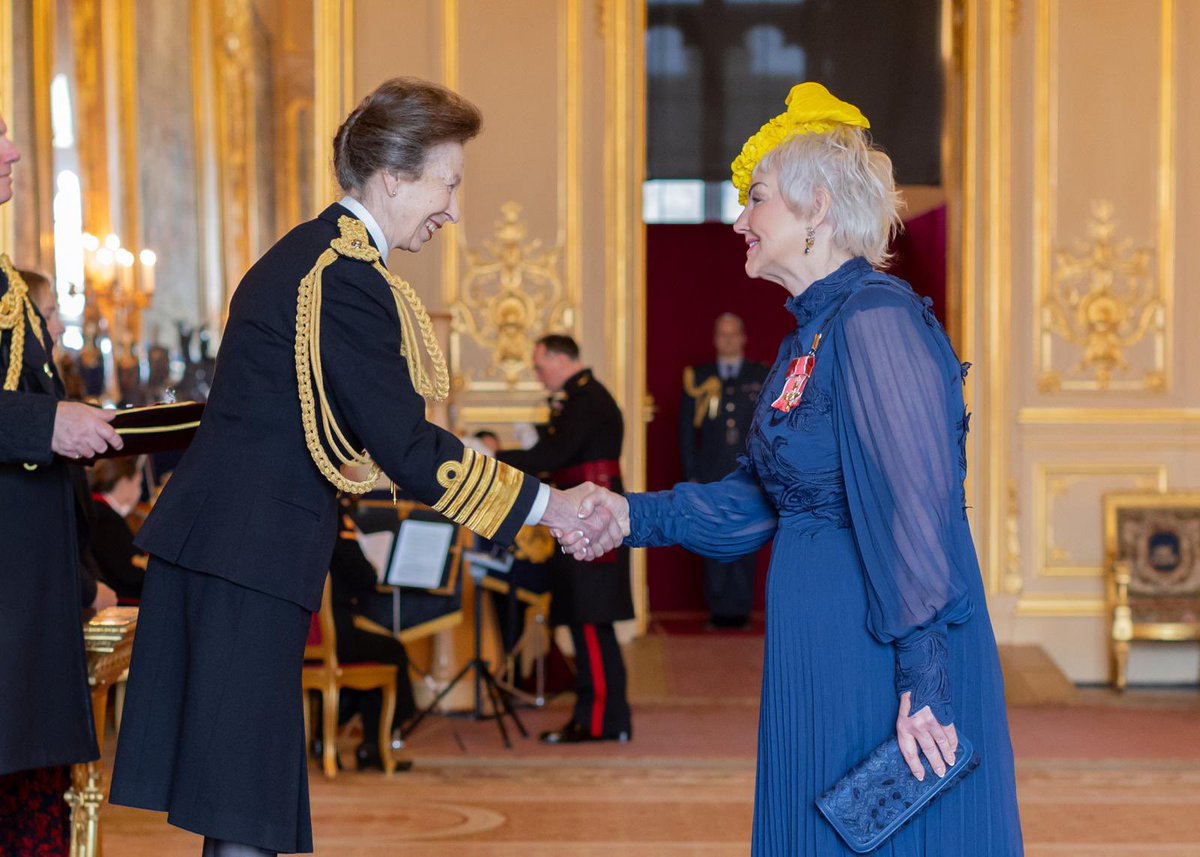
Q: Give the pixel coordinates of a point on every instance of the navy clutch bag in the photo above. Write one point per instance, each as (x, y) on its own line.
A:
(880, 795)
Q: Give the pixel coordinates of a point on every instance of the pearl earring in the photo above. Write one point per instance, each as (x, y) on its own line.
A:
(810, 237)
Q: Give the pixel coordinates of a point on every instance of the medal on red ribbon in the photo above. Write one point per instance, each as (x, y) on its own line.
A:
(799, 371)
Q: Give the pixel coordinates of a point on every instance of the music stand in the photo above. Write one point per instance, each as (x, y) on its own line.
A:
(478, 564)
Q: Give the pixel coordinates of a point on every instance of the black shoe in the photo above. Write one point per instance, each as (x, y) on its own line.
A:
(367, 757)
(720, 621)
(573, 733)
(317, 749)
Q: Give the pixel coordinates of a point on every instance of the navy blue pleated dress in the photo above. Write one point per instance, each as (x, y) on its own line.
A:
(874, 587)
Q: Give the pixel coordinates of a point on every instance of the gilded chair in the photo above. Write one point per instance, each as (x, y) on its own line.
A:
(327, 676)
(1152, 565)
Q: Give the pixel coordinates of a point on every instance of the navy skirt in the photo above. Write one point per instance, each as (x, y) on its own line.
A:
(213, 728)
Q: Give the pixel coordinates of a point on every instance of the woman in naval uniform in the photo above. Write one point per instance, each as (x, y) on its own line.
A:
(322, 365)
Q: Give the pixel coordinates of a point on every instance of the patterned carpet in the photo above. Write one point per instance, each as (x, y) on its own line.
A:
(1104, 776)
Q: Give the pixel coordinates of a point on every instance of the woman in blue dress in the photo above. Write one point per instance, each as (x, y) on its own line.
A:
(877, 620)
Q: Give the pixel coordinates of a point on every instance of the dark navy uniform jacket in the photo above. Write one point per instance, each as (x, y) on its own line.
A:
(247, 502)
(45, 706)
(585, 427)
(710, 452)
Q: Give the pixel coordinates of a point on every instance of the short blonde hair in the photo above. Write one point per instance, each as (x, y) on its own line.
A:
(864, 203)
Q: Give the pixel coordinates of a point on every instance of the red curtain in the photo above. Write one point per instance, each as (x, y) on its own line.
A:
(693, 274)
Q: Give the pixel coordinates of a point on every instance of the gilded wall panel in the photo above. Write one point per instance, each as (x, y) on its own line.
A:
(1067, 534)
(508, 283)
(1104, 148)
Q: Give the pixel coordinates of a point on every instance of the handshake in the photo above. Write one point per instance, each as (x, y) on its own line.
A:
(588, 521)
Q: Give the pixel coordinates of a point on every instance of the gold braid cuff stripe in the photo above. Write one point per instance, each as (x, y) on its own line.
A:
(707, 395)
(15, 307)
(352, 243)
(480, 492)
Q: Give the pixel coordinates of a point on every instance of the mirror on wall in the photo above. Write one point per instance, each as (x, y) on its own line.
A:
(167, 144)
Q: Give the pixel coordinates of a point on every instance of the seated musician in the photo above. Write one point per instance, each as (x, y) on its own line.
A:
(352, 577)
(116, 487)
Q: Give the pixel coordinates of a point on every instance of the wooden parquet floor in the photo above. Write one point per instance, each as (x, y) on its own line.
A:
(1102, 777)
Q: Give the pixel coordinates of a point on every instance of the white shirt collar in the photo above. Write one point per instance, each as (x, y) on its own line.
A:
(360, 211)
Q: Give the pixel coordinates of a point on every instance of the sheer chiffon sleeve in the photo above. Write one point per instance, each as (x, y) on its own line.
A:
(721, 520)
(903, 484)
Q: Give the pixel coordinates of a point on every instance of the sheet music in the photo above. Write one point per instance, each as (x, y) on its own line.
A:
(377, 548)
(420, 554)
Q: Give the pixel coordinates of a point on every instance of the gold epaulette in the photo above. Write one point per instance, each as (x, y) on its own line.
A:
(707, 395)
(480, 492)
(15, 307)
(352, 243)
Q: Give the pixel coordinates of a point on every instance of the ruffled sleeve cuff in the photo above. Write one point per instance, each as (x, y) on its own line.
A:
(922, 668)
(654, 521)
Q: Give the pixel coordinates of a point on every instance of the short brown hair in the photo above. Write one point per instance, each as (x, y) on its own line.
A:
(395, 126)
(558, 343)
(107, 472)
(40, 287)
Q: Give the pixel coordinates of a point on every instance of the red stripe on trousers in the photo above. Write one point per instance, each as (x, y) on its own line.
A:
(599, 685)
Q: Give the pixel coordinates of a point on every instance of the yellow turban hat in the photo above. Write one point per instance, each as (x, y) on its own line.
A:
(811, 109)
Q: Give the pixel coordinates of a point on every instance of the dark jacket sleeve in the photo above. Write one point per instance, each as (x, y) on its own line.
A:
(559, 446)
(368, 380)
(26, 427)
(112, 546)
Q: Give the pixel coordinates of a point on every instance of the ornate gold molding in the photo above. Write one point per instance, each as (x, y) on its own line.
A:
(492, 415)
(1101, 301)
(1061, 606)
(87, 43)
(1013, 578)
(511, 294)
(457, 236)
(1107, 416)
(999, 295)
(1051, 482)
(1106, 354)
(333, 88)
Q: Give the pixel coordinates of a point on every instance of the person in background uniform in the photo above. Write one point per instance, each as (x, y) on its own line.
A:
(116, 487)
(241, 536)
(45, 704)
(94, 593)
(714, 419)
(582, 443)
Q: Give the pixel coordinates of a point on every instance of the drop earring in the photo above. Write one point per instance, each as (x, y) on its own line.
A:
(810, 237)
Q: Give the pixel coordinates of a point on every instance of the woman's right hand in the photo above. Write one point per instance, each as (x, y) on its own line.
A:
(615, 503)
(922, 733)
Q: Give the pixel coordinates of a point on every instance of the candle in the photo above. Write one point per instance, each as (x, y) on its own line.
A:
(104, 265)
(125, 260)
(89, 243)
(112, 242)
(149, 259)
